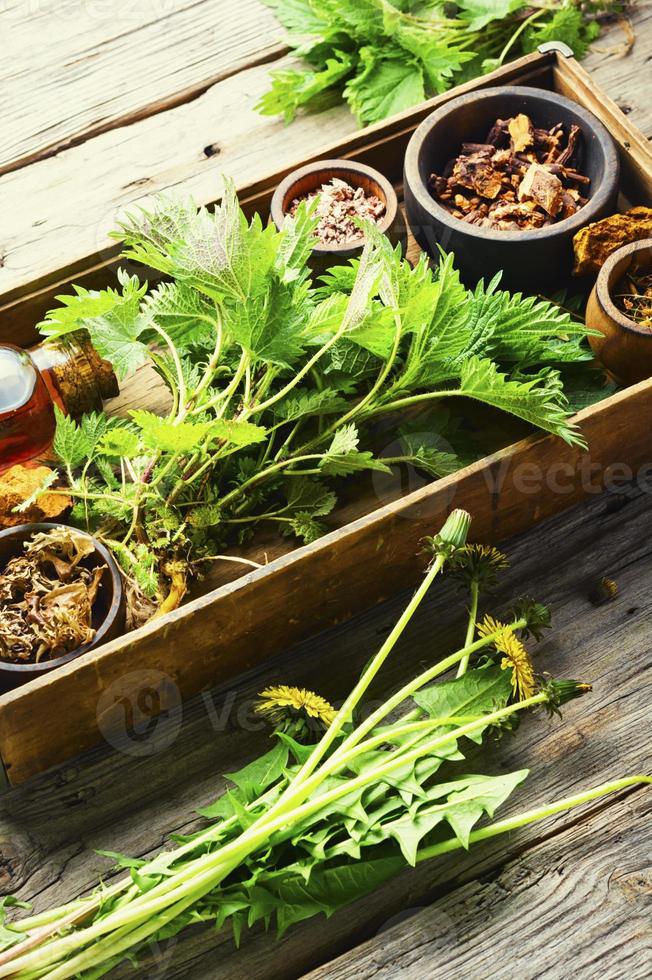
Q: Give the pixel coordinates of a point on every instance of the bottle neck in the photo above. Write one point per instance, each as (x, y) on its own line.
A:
(77, 377)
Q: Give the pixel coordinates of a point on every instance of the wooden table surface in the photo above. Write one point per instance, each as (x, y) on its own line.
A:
(104, 103)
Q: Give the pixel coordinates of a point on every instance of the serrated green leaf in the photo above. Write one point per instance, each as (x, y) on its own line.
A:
(384, 85)
(477, 692)
(239, 433)
(292, 89)
(342, 457)
(187, 317)
(71, 444)
(538, 399)
(468, 799)
(162, 434)
(256, 777)
(119, 442)
(478, 13)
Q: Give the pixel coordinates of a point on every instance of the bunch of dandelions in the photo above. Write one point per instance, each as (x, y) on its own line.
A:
(307, 829)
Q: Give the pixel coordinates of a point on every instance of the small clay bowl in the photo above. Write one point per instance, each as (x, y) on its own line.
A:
(108, 610)
(311, 177)
(529, 260)
(625, 348)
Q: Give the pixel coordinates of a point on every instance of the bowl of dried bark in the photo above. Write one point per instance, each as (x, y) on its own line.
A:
(346, 191)
(504, 178)
(60, 595)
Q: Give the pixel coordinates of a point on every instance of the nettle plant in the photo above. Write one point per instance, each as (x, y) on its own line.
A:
(277, 382)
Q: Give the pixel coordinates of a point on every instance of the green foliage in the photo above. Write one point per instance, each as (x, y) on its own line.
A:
(383, 57)
(276, 383)
(306, 830)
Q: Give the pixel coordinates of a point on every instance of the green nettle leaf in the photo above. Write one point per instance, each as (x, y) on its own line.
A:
(538, 399)
(71, 443)
(164, 435)
(223, 256)
(186, 316)
(150, 236)
(385, 86)
(478, 13)
(119, 442)
(113, 320)
(292, 89)
(305, 404)
(342, 456)
(237, 432)
(310, 496)
(297, 243)
(384, 57)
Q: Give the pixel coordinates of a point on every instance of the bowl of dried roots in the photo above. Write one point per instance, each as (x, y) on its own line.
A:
(60, 595)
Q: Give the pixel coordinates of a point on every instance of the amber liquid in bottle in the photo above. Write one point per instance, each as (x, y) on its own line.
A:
(26, 413)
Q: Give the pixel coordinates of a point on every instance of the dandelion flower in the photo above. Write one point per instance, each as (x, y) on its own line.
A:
(479, 563)
(515, 656)
(294, 710)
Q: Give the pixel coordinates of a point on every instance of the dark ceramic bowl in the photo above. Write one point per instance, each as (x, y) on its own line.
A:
(624, 347)
(530, 260)
(108, 610)
(311, 177)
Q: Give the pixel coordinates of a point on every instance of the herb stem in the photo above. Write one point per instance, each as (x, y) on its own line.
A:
(532, 816)
(470, 629)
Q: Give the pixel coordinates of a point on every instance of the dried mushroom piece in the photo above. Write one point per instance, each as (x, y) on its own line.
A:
(47, 597)
(522, 177)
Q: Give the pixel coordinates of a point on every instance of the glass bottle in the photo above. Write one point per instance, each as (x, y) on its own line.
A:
(67, 372)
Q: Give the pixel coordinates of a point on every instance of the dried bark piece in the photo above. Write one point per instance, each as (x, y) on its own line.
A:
(521, 132)
(520, 173)
(17, 484)
(595, 243)
(542, 187)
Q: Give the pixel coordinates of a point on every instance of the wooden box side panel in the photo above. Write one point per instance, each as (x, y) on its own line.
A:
(238, 626)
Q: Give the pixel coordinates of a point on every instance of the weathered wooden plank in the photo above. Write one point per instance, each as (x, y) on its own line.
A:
(41, 233)
(130, 801)
(112, 62)
(579, 902)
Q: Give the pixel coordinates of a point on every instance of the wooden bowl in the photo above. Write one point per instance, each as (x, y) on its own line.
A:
(625, 349)
(311, 177)
(529, 260)
(108, 610)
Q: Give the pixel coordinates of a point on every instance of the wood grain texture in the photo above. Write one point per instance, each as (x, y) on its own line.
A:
(596, 859)
(43, 231)
(586, 893)
(237, 626)
(113, 62)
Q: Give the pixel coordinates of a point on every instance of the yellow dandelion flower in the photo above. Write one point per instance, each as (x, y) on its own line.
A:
(283, 703)
(515, 656)
(490, 625)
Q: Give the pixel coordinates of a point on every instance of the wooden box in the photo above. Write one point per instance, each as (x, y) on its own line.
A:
(238, 623)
